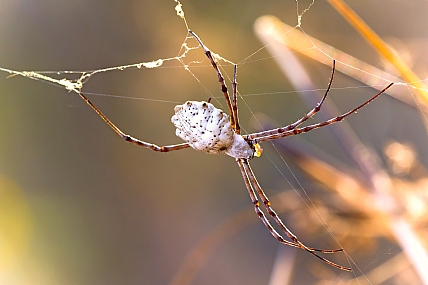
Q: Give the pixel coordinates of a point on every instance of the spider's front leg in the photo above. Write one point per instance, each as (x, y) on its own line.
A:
(233, 109)
(309, 115)
(280, 132)
(130, 139)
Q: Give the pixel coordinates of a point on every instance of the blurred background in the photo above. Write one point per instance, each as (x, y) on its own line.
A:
(80, 206)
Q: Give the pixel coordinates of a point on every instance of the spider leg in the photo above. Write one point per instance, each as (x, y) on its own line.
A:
(233, 119)
(309, 115)
(280, 133)
(257, 207)
(251, 183)
(130, 139)
(318, 106)
(235, 100)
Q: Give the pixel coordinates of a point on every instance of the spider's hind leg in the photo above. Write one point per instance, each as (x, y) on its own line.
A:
(251, 183)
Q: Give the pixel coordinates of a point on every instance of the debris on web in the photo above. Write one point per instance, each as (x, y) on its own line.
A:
(77, 85)
(217, 58)
(153, 64)
(179, 10)
(66, 83)
(300, 15)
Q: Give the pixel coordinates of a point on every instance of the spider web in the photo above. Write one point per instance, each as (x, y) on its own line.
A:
(188, 64)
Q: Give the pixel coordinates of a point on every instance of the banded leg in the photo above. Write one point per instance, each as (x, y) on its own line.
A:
(279, 133)
(220, 79)
(130, 139)
(251, 183)
(235, 100)
(259, 212)
(309, 115)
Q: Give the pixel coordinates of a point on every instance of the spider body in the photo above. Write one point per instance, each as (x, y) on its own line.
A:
(208, 129)
(205, 128)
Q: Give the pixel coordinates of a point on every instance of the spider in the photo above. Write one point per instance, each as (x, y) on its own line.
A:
(205, 128)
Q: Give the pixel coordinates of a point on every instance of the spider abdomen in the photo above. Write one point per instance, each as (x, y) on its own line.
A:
(208, 129)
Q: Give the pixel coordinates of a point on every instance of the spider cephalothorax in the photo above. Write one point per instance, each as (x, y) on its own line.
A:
(205, 128)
